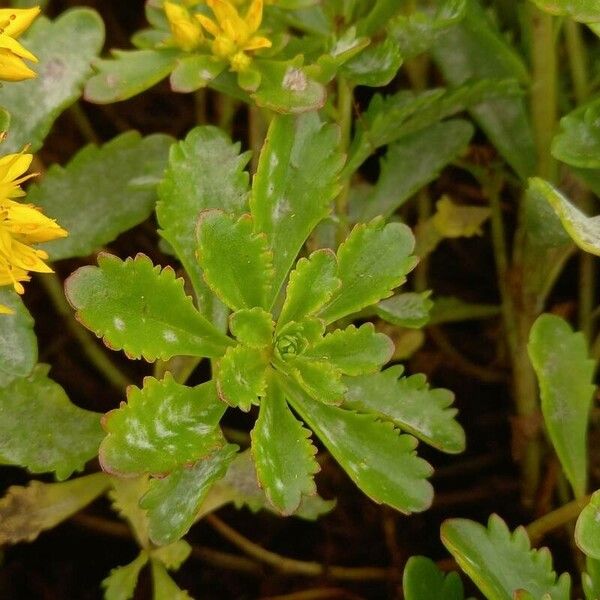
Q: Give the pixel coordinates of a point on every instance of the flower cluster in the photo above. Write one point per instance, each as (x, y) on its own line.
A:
(232, 36)
(13, 22)
(21, 226)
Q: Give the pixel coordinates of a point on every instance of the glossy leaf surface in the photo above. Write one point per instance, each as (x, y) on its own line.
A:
(423, 580)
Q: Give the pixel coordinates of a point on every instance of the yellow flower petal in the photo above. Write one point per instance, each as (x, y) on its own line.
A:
(11, 45)
(187, 33)
(14, 21)
(257, 42)
(5, 310)
(12, 68)
(209, 25)
(254, 16)
(225, 11)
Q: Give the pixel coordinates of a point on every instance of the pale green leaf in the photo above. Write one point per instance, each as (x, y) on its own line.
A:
(252, 327)
(475, 49)
(27, 511)
(501, 562)
(406, 310)
(195, 71)
(18, 343)
(586, 11)
(587, 531)
(125, 497)
(296, 182)
(372, 262)
(423, 580)
(65, 48)
(164, 587)
(376, 65)
(410, 404)
(163, 426)
(128, 73)
(283, 452)
(206, 170)
(311, 285)
(136, 307)
(565, 374)
(449, 309)
(102, 192)
(122, 581)
(382, 462)
(410, 164)
(240, 376)
(173, 555)
(320, 379)
(4, 120)
(578, 142)
(237, 263)
(42, 431)
(591, 579)
(354, 351)
(173, 502)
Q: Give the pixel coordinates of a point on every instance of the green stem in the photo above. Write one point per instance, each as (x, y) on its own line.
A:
(578, 61)
(555, 519)
(83, 123)
(103, 364)
(345, 95)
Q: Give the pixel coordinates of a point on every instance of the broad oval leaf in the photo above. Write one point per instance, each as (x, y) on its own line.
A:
(195, 71)
(237, 263)
(102, 192)
(18, 350)
(206, 170)
(172, 503)
(163, 426)
(311, 285)
(410, 404)
(565, 374)
(296, 182)
(372, 262)
(122, 581)
(382, 462)
(406, 310)
(128, 73)
(283, 452)
(500, 562)
(376, 65)
(586, 11)
(423, 580)
(42, 431)
(27, 511)
(65, 48)
(587, 531)
(578, 142)
(136, 307)
(354, 351)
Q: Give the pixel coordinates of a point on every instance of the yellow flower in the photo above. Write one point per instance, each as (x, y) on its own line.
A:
(21, 225)
(187, 33)
(233, 35)
(13, 22)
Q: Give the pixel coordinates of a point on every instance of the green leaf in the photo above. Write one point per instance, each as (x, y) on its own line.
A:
(205, 171)
(27, 511)
(406, 310)
(583, 230)
(587, 531)
(411, 163)
(173, 502)
(410, 404)
(381, 462)
(449, 309)
(296, 182)
(417, 32)
(4, 120)
(565, 374)
(102, 192)
(373, 261)
(422, 580)
(500, 563)
(586, 11)
(241, 376)
(591, 579)
(194, 72)
(42, 431)
(320, 379)
(19, 350)
(173, 555)
(163, 426)
(252, 327)
(164, 587)
(310, 287)
(135, 306)
(237, 263)
(65, 48)
(128, 73)
(354, 351)
(376, 65)
(578, 142)
(125, 500)
(283, 452)
(122, 581)
(475, 49)
(286, 88)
